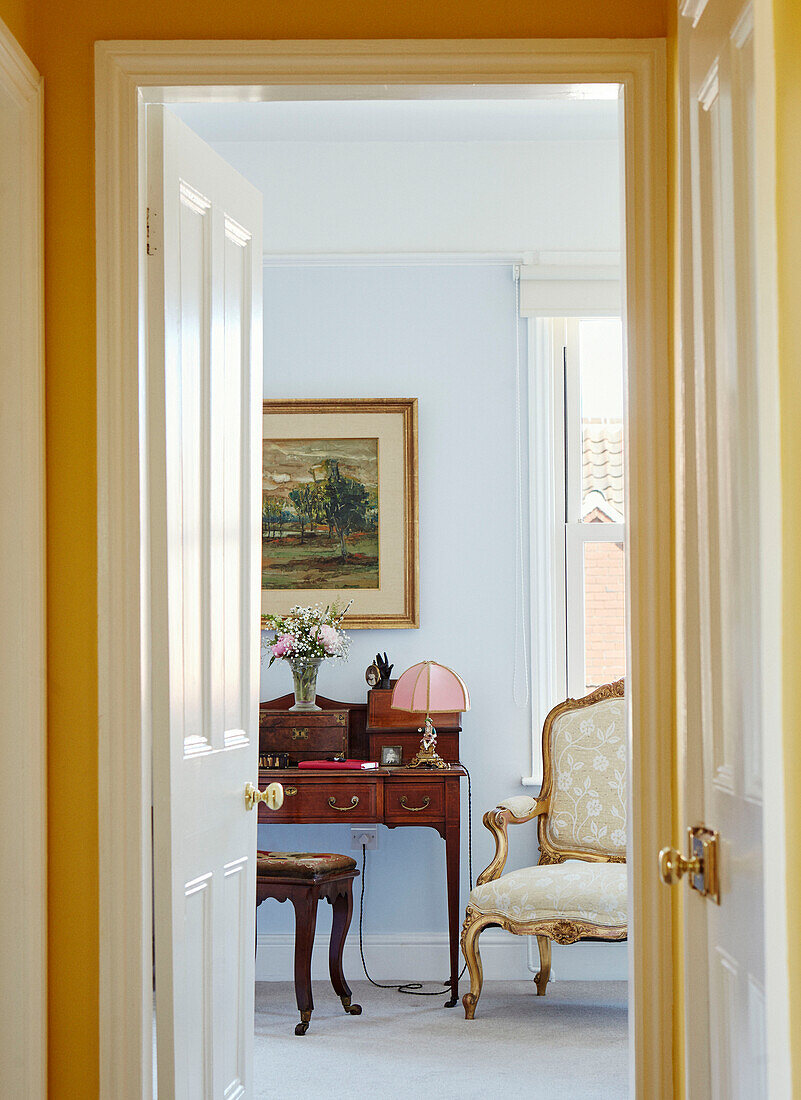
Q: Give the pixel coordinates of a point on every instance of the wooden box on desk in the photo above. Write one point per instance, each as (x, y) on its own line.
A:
(313, 736)
(386, 726)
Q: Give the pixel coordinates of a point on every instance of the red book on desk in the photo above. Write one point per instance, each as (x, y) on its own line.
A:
(339, 765)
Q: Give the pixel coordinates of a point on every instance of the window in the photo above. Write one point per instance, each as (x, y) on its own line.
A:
(577, 507)
(592, 459)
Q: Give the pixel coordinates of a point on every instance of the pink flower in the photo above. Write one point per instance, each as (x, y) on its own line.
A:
(328, 637)
(285, 644)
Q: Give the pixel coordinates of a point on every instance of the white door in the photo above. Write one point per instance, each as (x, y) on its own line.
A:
(204, 394)
(720, 677)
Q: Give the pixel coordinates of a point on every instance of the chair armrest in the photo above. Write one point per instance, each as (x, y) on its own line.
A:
(512, 811)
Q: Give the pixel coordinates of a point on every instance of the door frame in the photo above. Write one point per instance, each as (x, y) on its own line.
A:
(23, 706)
(128, 74)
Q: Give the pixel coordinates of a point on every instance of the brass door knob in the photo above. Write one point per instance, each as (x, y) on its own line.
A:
(673, 866)
(701, 864)
(272, 796)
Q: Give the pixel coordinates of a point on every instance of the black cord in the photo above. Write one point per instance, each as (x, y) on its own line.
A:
(415, 989)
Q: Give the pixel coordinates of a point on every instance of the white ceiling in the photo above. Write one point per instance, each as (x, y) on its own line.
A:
(396, 120)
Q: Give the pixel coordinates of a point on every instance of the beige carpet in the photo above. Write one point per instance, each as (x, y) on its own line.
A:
(571, 1043)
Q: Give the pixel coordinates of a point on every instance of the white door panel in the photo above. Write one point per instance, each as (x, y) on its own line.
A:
(719, 551)
(204, 377)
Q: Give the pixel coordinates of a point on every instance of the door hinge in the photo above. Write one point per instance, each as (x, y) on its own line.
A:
(150, 240)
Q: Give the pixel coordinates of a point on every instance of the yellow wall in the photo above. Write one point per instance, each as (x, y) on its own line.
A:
(59, 39)
(14, 14)
(787, 37)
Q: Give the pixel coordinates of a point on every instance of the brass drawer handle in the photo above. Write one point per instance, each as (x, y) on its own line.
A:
(301, 734)
(414, 809)
(289, 791)
(332, 802)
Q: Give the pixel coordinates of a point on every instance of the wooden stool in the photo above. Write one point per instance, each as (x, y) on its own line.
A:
(303, 878)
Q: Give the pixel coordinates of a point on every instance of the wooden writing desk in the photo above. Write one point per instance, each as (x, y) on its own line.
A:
(395, 797)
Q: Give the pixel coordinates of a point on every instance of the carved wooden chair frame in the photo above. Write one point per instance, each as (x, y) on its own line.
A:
(560, 930)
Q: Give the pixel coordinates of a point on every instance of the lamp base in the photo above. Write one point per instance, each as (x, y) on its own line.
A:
(427, 755)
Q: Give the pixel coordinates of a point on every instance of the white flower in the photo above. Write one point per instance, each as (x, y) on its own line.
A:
(563, 781)
(600, 763)
(619, 838)
(315, 632)
(593, 807)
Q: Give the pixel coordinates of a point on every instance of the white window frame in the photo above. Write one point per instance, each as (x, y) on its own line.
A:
(577, 533)
(557, 546)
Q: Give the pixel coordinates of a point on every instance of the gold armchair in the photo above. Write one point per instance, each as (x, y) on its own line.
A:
(577, 890)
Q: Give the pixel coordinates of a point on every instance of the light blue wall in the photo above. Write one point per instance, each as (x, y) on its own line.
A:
(446, 335)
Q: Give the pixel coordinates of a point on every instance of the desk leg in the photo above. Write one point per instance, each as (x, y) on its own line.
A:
(452, 854)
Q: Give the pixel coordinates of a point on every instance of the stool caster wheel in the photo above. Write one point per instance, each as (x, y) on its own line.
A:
(352, 1010)
(303, 1026)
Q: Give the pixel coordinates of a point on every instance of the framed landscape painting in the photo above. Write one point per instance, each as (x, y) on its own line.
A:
(339, 508)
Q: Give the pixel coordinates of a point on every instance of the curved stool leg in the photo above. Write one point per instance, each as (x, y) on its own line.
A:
(342, 905)
(305, 922)
(544, 972)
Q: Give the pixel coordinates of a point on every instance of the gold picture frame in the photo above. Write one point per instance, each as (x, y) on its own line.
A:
(340, 508)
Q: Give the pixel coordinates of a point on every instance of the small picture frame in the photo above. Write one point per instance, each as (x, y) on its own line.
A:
(391, 756)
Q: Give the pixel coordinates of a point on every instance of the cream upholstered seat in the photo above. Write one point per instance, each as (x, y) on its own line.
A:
(572, 890)
(578, 889)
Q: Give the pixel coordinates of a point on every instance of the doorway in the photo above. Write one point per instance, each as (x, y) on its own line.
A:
(645, 254)
(399, 235)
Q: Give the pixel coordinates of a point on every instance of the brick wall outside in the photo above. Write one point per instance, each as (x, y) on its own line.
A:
(604, 613)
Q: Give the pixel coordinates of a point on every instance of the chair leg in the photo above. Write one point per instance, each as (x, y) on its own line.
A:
(471, 929)
(544, 972)
(305, 922)
(342, 906)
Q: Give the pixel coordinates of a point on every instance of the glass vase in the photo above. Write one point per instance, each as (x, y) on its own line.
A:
(304, 677)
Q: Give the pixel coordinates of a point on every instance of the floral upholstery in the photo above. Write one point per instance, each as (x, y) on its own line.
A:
(588, 801)
(575, 889)
(520, 805)
(302, 864)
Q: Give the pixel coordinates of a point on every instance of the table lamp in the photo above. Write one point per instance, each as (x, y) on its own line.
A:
(434, 689)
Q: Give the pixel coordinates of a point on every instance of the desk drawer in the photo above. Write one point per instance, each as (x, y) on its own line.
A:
(411, 801)
(321, 800)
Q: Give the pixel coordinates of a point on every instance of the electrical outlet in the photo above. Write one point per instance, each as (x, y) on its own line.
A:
(366, 835)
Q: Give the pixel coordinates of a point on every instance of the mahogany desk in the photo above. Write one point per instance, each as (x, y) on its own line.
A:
(395, 797)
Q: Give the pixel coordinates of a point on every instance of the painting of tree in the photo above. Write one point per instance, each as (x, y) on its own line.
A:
(320, 513)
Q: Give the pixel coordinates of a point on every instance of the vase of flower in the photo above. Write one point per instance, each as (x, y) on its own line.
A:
(304, 678)
(305, 638)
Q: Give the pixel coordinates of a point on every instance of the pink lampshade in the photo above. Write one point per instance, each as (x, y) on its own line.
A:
(430, 688)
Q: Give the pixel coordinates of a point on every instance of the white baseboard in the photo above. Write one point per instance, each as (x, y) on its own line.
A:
(408, 956)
